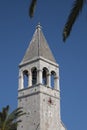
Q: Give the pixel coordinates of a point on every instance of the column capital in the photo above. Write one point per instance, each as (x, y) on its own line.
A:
(39, 70)
(48, 74)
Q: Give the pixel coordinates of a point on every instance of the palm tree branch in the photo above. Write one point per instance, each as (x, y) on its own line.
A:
(9, 121)
(4, 113)
(12, 125)
(3, 116)
(77, 8)
(15, 114)
(32, 8)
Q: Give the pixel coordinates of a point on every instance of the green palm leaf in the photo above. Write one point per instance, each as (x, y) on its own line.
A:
(77, 8)
(3, 116)
(32, 8)
(10, 121)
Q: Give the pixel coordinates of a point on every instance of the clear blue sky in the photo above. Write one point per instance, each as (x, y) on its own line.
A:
(16, 30)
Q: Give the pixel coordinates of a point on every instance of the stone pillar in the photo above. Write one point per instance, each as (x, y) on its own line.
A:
(21, 82)
(30, 79)
(56, 83)
(48, 80)
(39, 77)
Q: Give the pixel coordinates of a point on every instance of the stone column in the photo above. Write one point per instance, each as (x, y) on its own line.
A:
(30, 79)
(56, 83)
(48, 80)
(39, 77)
(21, 82)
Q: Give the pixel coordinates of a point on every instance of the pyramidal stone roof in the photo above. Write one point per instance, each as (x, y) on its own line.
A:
(38, 47)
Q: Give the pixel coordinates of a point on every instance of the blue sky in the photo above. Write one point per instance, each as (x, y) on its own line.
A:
(16, 30)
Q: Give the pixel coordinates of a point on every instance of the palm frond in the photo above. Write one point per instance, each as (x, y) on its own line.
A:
(4, 113)
(77, 8)
(15, 115)
(9, 121)
(32, 8)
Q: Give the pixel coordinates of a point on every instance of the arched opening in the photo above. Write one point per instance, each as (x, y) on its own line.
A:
(25, 78)
(44, 76)
(34, 76)
(53, 74)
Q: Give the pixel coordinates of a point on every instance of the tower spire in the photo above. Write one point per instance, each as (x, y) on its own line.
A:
(38, 47)
(39, 26)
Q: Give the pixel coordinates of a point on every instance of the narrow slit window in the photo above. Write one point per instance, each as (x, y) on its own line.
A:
(34, 76)
(53, 79)
(25, 77)
(44, 76)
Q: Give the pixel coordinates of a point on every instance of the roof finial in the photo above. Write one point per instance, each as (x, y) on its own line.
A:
(38, 26)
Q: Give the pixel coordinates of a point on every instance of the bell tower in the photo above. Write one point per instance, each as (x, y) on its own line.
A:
(39, 90)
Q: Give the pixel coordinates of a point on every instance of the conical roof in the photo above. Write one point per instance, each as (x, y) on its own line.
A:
(38, 47)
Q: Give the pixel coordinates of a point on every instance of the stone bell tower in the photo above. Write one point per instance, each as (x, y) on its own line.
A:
(39, 91)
